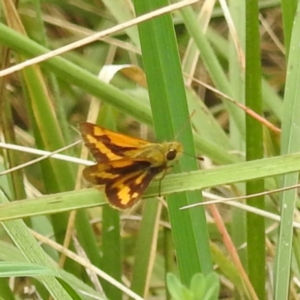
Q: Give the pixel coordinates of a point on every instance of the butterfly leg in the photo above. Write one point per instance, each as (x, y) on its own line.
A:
(163, 174)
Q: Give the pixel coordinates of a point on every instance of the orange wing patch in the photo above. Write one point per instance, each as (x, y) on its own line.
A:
(106, 145)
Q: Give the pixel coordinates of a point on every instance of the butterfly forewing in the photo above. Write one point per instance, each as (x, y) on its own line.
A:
(106, 145)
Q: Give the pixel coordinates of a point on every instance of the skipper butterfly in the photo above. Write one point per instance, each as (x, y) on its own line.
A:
(125, 165)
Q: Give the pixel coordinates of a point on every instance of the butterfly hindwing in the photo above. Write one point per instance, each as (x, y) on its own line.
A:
(125, 180)
(125, 191)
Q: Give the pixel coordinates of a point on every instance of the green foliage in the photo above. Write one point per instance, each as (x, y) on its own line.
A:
(201, 287)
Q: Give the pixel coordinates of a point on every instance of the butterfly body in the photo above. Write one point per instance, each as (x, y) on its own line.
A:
(125, 165)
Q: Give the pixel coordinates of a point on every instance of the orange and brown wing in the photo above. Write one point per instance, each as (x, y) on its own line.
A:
(125, 180)
(106, 145)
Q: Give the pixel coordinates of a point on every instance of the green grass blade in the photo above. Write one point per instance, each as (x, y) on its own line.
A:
(211, 63)
(71, 72)
(170, 113)
(33, 252)
(111, 250)
(187, 181)
(254, 150)
(288, 14)
(146, 248)
(290, 143)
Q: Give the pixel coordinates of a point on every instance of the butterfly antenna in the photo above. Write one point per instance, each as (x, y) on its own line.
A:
(160, 179)
(185, 124)
(197, 157)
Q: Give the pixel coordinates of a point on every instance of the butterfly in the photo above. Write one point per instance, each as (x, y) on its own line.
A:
(125, 165)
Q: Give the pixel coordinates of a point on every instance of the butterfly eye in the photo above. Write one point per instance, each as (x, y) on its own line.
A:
(171, 154)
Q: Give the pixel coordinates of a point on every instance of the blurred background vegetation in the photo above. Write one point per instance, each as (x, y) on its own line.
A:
(186, 76)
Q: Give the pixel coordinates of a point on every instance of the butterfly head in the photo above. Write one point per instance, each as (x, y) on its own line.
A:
(174, 151)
